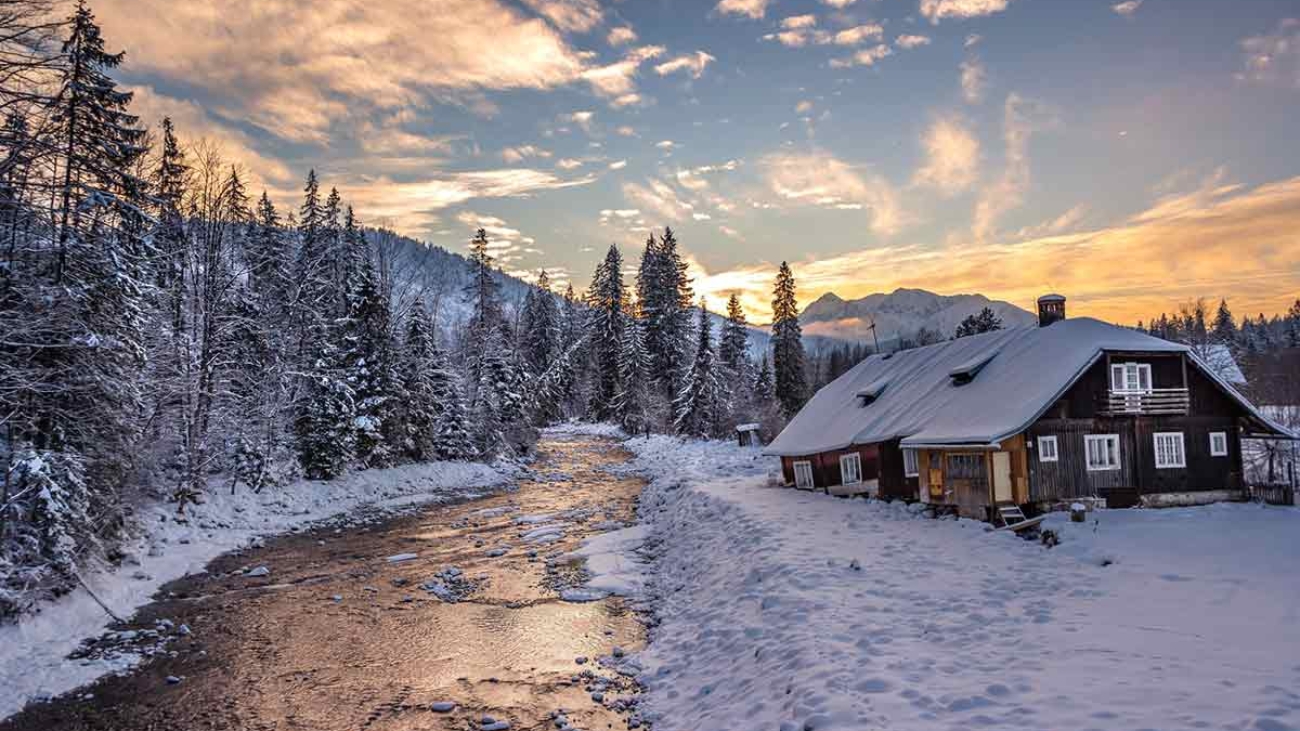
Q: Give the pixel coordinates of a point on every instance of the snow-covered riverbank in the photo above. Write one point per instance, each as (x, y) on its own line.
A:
(792, 610)
(33, 652)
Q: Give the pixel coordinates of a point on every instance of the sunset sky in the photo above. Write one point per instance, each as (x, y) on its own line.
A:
(1131, 156)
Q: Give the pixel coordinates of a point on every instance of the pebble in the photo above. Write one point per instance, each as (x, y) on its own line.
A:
(581, 659)
(173, 680)
(443, 707)
(259, 571)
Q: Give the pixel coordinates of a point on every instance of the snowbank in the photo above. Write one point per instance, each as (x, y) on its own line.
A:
(790, 610)
(33, 652)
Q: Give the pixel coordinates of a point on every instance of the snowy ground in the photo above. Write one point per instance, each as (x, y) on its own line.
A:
(33, 652)
(789, 610)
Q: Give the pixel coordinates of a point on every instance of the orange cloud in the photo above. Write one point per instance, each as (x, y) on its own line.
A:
(1220, 241)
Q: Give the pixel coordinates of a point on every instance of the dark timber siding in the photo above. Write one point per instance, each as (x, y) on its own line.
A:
(826, 465)
(1077, 414)
(894, 483)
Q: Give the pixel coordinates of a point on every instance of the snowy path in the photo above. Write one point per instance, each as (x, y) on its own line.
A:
(785, 609)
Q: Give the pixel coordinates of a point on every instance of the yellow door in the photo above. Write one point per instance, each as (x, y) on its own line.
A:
(1002, 477)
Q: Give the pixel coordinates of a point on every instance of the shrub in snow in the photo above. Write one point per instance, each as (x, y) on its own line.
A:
(44, 524)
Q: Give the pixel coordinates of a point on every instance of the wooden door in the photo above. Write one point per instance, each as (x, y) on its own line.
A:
(1002, 478)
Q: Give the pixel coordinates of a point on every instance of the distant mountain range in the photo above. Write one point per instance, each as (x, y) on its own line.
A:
(440, 277)
(901, 313)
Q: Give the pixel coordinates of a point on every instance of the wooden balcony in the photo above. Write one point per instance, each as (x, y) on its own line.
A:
(1155, 402)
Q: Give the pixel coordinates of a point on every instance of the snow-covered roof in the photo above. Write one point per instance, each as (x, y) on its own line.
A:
(1019, 374)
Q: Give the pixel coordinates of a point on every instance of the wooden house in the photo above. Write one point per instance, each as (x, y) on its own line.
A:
(1073, 408)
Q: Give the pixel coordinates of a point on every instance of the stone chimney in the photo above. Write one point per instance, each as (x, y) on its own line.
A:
(1051, 308)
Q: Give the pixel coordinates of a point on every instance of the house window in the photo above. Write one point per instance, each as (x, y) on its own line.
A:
(1169, 450)
(1102, 451)
(1218, 444)
(1130, 377)
(910, 466)
(1047, 449)
(966, 466)
(803, 476)
(850, 469)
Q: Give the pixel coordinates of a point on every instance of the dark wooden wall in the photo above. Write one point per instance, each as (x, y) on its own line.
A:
(1069, 477)
(826, 465)
(894, 482)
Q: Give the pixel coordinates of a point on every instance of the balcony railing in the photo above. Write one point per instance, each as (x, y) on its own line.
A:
(1154, 402)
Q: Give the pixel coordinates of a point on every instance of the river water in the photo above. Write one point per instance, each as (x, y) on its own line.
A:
(339, 636)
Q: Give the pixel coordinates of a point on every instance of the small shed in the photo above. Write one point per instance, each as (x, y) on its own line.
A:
(747, 435)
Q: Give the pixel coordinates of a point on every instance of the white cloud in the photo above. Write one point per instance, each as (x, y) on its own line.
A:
(625, 131)
(568, 163)
(1274, 59)
(692, 63)
(972, 40)
(523, 152)
(952, 155)
(754, 9)
(936, 10)
(570, 16)
(1127, 8)
(659, 199)
(701, 216)
(819, 179)
(803, 107)
(665, 144)
(1056, 226)
(841, 4)
(618, 165)
(619, 78)
(973, 78)
(795, 22)
(294, 75)
(621, 36)
(909, 41)
(582, 119)
(628, 100)
(869, 56)
(1021, 118)
(858, 34)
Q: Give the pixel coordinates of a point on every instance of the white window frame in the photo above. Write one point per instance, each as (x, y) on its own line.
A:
(807, 468)
(1105, 439)
(1173, 455)
(911, 463)
(1130, 378)
(855, 460)
(1043, 450)
(1221, 449)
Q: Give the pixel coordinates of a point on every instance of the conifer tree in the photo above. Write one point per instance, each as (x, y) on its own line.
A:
(540, 324)
(697, 406)
(606, 298)
(1225, 327)
(367, 349)
(664, 296)
(632, 405)
(789, 379)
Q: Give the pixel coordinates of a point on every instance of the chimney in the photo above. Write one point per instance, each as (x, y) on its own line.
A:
(1051, 308)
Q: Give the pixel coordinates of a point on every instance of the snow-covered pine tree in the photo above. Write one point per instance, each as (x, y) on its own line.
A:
(697, 407)
(324, 432)
(540, 322)
(632, 403)
(1224, 331)
(571, 374)
(985, 321)
(422, 405)
(606, 298)
(92, 350)
(367, 348)
(1293, 325)
(664, 297)
(733, 358)
(789, 379)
